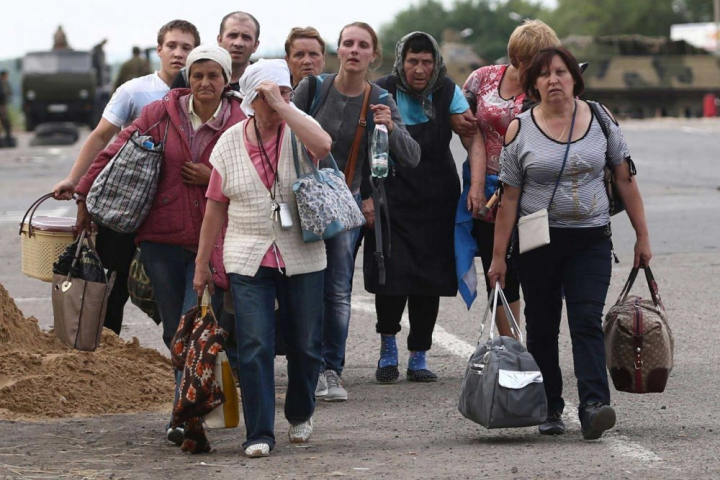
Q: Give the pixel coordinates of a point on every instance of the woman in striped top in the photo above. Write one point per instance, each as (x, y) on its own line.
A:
(577, 262)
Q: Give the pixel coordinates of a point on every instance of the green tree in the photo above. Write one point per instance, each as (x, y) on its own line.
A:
(489, 20)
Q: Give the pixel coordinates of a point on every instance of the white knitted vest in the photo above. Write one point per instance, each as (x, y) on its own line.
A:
(250, 230)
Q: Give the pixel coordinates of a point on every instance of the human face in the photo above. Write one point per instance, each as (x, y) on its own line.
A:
(555, 82)
(356, 50)
(240, 39)
(306, 58)
(174, 51)
(206, 81)
(418, 68)
(264, 111)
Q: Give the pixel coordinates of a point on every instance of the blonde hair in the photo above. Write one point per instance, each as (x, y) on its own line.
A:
(528, 39)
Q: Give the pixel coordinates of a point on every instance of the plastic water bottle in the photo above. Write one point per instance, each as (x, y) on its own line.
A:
(379, 152)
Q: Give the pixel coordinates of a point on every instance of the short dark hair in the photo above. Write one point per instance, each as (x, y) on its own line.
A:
(183, 26)
(240, 14)
(418, 44)
(541, 61)
(307, 32)
(136, 51)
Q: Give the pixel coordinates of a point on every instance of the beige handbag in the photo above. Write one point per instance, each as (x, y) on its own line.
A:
(225, 415)
(79, 305)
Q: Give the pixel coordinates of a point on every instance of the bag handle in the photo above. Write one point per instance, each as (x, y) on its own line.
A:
(204, 303)
(31, 212)
(652, 286)
(514, 327)
(359, 131)
(84, 235)
(567, 151)
(306, 156)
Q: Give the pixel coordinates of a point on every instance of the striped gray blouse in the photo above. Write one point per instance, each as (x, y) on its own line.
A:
(532, 161)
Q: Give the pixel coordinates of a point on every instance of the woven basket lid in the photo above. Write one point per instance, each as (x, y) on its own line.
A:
(56, 224)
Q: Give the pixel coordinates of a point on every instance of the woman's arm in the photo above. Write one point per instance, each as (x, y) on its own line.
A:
(403, 147)
(215, 215)
(307, 130)
(630, 194)
(477, 157)
(504, 225)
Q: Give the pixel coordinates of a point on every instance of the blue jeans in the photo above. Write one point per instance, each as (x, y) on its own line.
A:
(338, 290)
(300, 300)
(171, 269)
(577, 263)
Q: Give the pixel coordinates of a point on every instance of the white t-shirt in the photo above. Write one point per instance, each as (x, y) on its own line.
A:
(132, 96)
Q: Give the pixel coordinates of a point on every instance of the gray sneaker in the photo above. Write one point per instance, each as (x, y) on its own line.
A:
(336, 392)
(322, 387)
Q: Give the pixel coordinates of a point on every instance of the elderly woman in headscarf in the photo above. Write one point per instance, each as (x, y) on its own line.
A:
(189, 123)
(264, 254)
(422, 202)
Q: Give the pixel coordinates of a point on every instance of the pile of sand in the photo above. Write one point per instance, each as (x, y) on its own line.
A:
(40, 377)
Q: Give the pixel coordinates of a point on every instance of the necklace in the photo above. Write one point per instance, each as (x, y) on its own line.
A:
(557, 139)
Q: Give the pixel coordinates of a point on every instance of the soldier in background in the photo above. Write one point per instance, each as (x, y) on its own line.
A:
(60, 40)
(133, 68)
(5, 95)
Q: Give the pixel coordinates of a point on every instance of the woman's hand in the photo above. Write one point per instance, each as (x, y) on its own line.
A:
(643, 254)
(476, 199)
(203, 277)
(383, 115)
(195, 173)
(368, 211)
(270, 92)
(498, 269)
(82, 222)
(64, 189)
(464, 124)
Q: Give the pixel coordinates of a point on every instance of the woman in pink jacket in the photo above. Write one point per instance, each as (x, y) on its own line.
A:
(194, 119)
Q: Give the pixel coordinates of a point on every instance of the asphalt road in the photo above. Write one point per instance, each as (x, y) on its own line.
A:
(415, 431)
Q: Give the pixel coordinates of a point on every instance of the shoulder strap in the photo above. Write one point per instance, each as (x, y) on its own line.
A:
(359, 133)
(567, 150)
(596, 111)
(318, 99)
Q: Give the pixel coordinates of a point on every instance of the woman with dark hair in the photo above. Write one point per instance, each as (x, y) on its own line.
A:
(338, 111)
(553, 159)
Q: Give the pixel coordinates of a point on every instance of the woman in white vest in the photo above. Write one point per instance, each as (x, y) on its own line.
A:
(251, 187)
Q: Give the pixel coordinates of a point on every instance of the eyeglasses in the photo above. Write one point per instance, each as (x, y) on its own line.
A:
(288, 95)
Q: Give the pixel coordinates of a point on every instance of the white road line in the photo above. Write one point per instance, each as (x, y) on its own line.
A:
(447, 341)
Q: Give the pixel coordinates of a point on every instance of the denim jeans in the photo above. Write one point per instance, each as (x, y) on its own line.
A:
(300, 300)
(577, 263)
(171, 269)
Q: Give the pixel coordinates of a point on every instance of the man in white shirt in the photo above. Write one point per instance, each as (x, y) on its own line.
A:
(175, 41)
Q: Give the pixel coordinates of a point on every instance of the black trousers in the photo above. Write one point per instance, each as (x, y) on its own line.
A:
(576, 264)
(422, 310)
(116, 251)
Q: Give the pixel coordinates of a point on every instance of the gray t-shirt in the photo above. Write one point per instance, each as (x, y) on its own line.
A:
(339, 115)
(532, 161)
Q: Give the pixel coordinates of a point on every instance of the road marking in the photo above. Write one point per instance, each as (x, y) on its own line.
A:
(16, 216)
(447, 341)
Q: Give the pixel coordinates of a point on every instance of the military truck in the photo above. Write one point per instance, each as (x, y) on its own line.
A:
(61, 86)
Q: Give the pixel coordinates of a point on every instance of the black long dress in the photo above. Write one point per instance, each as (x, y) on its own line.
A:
(422, 203)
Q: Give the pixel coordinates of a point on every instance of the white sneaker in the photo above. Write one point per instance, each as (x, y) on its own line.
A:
(257, 450)
(301, 433)
(336, 392)
(322, 386)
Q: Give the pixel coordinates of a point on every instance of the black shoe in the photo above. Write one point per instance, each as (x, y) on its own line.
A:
(596, 418)
(553, 425)
(422, 375)
(389, 374)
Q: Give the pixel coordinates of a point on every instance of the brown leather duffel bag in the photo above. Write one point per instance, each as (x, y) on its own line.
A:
(638, 341)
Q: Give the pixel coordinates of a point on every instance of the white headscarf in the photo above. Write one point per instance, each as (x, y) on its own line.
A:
(211, 52)
(276, 71)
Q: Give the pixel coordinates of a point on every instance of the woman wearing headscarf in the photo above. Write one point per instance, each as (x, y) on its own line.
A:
(266, 259)
(422, 202)
(194, 120)
(338, 111)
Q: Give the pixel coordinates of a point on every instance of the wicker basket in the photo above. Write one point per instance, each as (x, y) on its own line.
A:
(43, 240)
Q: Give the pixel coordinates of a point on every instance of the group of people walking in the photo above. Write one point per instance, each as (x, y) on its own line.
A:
(229, 129)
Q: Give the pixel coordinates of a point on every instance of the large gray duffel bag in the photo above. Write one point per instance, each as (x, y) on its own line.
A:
(503, 386)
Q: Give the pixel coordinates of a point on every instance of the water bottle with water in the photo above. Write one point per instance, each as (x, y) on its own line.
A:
(379, 152)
